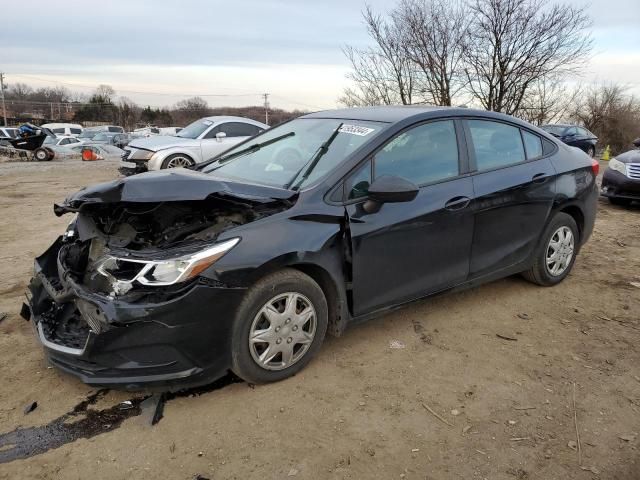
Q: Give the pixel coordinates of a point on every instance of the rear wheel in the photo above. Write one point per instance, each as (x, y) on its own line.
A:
(556, 253)
(623, 202)
(178, 160)
(279, 327)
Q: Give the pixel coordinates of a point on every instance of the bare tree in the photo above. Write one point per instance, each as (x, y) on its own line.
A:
(383, 74)
(105, 93)
(128, 113)
(611, 113)
(548, 100)
(435, 31)
(514, 43)
(190, 109)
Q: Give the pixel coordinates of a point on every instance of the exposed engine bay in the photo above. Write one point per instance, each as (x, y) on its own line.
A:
(107, 246)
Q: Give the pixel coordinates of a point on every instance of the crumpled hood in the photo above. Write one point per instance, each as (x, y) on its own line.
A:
(632, 156)
(161, 142)
(171, 185)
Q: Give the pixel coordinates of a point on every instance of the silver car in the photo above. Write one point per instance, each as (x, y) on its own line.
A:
(199, 141)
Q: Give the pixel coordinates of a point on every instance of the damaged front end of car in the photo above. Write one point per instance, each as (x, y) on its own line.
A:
(119, 299)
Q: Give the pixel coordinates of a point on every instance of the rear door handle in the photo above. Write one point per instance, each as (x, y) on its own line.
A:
(457, 203)
(539, 178)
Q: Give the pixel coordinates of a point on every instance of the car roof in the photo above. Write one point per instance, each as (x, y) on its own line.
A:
(563, 125)
(397, 113)
(226, 118)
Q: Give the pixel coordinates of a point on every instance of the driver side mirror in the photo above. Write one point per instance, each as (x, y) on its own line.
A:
(389, 189)
(636, 142)
(220, 136)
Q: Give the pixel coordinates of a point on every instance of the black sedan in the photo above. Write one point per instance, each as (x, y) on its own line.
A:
(621, 179)
(173, 278)
(575, 136)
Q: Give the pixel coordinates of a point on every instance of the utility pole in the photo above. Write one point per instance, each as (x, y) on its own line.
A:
(266, 107)
(4, 108)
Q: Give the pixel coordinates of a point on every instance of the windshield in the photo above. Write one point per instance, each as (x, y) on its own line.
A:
(195, 129)
(279, 163)
(100, 137)
(50, 141)
(556, 130)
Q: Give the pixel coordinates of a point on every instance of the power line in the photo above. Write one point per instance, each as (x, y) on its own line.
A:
(141, 92)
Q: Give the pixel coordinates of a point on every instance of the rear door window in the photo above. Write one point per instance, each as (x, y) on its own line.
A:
(75, 131)
(57, 130)
(495, 144)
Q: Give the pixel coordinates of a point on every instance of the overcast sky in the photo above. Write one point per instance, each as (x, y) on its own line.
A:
(152, 51)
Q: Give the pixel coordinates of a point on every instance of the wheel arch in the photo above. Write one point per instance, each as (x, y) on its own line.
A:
(575, 212)
(325, 274)
(334, 303)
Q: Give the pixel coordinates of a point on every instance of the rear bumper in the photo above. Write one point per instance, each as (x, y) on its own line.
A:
(161, 341)
(617, 185)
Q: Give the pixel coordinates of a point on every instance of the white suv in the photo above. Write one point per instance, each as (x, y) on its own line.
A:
(197, 142)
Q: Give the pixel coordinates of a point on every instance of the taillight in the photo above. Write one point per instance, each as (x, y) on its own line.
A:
(595, 166)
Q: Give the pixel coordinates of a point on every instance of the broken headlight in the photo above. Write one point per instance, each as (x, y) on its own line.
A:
(140, 154)
(125, 271)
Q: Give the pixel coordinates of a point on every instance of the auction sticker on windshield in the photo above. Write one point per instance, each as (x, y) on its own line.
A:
(356, 130)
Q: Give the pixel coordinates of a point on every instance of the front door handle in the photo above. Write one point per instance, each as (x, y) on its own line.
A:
(539, 178)
(457, 203)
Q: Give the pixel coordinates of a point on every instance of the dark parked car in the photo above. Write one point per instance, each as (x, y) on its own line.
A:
(173, 278)
(621, 179)
(575, 136)
(119, 140)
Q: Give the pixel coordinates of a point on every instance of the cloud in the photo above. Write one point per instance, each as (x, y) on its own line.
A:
(290, 48)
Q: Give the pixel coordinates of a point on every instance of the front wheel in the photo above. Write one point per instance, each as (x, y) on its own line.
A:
(556, 253)
(178, 160)
(279, 327)
(41, 154)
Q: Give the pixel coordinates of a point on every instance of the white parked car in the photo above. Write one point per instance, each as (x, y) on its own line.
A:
(61, 141)
(170, 131)
(64, 129)
(197, 142)
(8, 132)
(146, 132)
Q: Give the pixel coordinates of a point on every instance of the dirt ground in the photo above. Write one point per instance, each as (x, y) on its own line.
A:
(504, 408)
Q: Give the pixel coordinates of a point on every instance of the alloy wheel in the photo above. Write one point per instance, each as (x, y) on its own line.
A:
(282, 332)
(179, 161)
(560, 251)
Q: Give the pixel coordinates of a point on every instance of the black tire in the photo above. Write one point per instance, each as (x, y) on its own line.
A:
(539, 273)
(41, 154)
(621, 202)
(591, 151)
(168, 162)
(266, 289)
